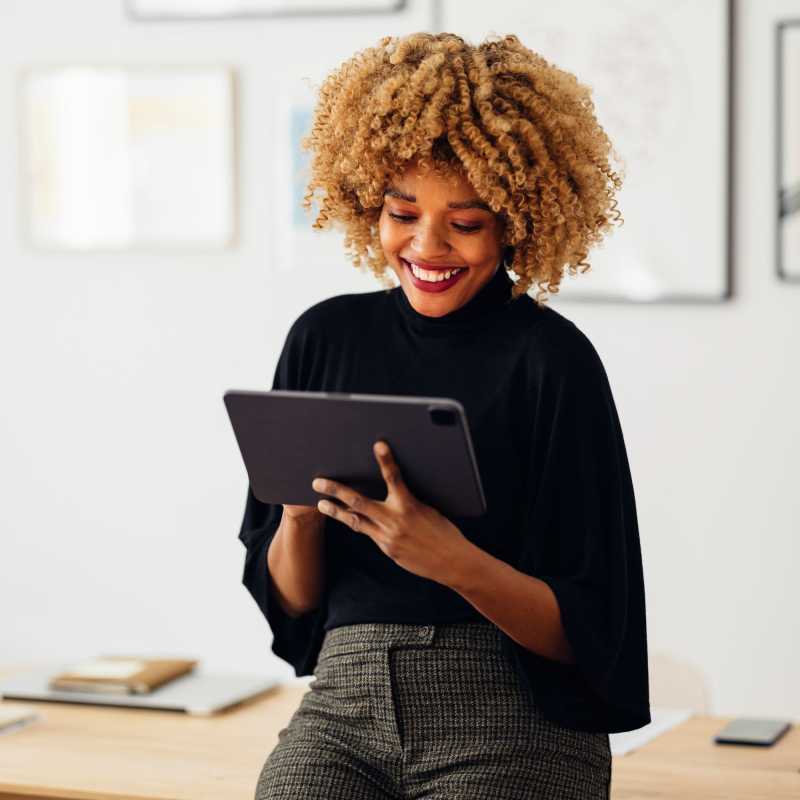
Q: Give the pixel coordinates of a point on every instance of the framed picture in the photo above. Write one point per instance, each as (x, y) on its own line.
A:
(295, 242)
(787, 127)
(661, 80)
(119, 157)
(232, 9)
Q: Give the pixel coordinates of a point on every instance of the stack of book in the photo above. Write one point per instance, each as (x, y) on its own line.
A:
(121, 674)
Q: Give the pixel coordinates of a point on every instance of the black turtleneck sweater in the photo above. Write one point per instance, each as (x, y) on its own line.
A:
(552, 460)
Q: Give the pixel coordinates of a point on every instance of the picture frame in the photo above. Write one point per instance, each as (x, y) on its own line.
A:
(295, 242)
(164, 10)
(119, 157)
(670, 121)
(787, 153)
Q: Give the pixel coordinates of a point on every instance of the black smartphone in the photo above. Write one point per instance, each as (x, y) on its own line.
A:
(762, 732)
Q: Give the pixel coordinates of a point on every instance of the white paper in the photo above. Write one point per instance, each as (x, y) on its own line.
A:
(108, 668)
(662, 720)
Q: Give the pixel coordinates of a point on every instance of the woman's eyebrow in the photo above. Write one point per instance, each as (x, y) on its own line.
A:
(410, 198)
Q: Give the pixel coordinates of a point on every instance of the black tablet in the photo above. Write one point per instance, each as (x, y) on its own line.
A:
(288, 438)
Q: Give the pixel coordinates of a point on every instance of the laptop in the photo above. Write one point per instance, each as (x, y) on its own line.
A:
(196, 693)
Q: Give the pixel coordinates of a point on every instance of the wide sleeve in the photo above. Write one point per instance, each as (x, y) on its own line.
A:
(296, 640)
(581, 536)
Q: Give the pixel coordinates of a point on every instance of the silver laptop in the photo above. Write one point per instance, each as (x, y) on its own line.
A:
(195, 693)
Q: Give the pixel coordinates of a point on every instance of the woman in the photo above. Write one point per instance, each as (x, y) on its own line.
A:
(474, 658)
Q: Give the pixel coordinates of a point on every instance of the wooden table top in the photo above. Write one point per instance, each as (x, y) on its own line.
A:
(98, 753)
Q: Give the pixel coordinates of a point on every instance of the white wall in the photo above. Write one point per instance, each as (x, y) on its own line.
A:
(123, 488)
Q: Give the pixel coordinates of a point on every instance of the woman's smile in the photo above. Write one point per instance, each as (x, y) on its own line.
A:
(432, 279)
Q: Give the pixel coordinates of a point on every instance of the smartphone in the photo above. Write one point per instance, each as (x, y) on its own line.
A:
(762, 732)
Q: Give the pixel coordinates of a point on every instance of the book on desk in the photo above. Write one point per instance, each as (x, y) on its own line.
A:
(121, 674)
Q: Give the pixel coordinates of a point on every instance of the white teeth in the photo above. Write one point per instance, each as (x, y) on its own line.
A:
(432, 277)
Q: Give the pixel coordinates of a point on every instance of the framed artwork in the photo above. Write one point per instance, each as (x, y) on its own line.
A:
(661, 79)
(295, 242)
(787, 127)
(232, 9)
(119, 157)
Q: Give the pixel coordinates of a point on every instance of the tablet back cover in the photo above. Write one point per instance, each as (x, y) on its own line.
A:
(288, 438)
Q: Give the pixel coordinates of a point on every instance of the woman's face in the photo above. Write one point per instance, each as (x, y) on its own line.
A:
(438, 224)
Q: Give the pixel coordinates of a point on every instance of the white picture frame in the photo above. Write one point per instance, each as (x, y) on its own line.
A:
(661, 79)
(119, 157)
(154, 10)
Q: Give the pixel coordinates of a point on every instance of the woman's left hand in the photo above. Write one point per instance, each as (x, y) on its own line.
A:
(414, 535)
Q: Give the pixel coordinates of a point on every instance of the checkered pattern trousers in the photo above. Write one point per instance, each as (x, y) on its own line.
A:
(439, 712)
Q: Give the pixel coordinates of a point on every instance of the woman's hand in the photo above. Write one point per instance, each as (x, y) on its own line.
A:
(414, 535)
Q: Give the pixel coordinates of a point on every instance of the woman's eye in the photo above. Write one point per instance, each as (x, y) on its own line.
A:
(406, 218)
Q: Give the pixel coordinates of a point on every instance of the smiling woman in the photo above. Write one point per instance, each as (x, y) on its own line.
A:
(458, 657)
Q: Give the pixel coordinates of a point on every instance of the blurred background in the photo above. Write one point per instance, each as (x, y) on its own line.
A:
(153, 255)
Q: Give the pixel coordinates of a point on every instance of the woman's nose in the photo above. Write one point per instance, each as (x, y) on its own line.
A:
(429, 242)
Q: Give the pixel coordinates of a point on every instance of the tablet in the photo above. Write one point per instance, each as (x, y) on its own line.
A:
(288, 438)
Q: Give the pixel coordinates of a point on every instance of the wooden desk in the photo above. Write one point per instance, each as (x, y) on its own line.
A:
(93, 753)
(685, 763)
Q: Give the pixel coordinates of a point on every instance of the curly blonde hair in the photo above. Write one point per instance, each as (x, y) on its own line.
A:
(520, 130)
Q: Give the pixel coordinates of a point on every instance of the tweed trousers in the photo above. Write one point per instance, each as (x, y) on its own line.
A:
(439, 712)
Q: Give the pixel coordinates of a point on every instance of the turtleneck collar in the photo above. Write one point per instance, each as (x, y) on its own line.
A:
(475, 313)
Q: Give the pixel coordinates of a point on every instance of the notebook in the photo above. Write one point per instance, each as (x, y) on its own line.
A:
(121, 674)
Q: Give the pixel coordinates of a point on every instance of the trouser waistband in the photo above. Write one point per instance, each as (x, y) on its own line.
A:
(380, 635)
